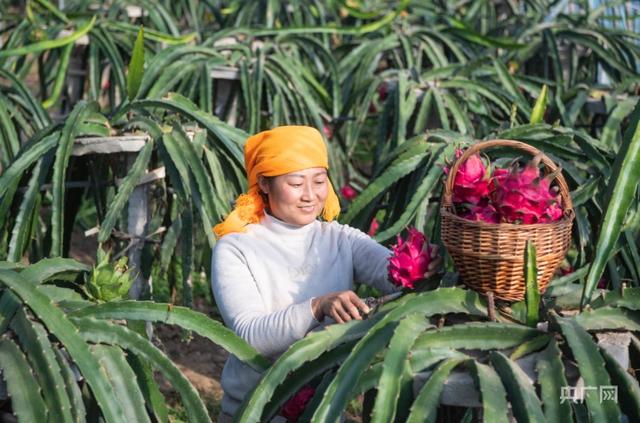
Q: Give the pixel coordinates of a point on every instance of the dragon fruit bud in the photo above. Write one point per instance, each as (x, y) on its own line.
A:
(109, 281)
(410, 259)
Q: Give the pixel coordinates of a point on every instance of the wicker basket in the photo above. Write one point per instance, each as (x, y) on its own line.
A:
(490, 256)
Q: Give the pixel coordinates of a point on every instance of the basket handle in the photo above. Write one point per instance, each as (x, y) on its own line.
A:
(551, 167)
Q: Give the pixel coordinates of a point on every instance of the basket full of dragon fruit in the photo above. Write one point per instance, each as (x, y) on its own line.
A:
(489, 213)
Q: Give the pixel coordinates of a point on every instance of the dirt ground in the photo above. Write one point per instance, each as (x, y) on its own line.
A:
(199, 359)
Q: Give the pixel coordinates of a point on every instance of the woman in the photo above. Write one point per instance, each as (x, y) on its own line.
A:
(277, 271)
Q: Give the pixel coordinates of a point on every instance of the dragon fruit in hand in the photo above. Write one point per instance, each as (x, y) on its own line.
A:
(410, 259)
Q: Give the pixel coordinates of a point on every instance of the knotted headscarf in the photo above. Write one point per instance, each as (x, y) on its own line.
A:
(277, 152)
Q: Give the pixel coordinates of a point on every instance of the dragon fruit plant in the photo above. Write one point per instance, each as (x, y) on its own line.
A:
(513, 195)
(63, 353)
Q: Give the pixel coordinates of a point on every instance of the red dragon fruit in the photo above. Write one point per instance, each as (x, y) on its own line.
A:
(498, 177)
(471, 185)
(482, 212)
(326, 130)
(523, 196)
(294, 408)
(511, 195)
(383, 91)
(348, 192)
(410, 259)
(373, 227)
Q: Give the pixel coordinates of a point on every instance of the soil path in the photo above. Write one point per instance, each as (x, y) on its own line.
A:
(199, 359)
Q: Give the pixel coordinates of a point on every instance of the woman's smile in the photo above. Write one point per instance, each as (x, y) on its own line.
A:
(308, 209)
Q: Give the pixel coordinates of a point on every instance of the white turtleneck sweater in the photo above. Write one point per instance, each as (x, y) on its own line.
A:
(265, 278)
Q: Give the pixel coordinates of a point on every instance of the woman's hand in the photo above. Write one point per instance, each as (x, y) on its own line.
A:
(341, 306)
(435, 264)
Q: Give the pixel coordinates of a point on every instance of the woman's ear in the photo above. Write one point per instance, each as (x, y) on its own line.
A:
(263, 184)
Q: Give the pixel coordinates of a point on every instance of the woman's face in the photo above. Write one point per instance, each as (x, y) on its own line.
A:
(298, 197)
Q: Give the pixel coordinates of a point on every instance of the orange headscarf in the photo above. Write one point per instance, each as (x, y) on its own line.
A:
(277, 152)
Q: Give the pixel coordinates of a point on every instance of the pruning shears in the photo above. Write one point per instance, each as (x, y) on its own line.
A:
(373, 303)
